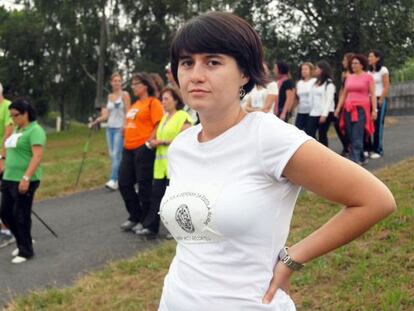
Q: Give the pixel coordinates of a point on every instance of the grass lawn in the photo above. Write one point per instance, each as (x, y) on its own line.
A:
(63, 157)
(375, 272)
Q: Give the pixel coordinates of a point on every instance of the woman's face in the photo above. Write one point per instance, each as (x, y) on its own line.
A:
(345, 63)
(356, 65)
(18, 118)
(116, 83)
(372, 59)
(139, 88)
(318, 71)
(210, 83)
(168, 102)
(305, 72)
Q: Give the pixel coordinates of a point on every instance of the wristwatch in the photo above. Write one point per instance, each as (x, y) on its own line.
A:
(26, 178)
(288, 261)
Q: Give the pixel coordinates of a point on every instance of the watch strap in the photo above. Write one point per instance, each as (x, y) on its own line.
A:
(288, 261)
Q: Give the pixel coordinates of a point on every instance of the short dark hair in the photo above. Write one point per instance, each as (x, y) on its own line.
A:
(326, 72)
(22, 105)
(380, 62)
(146, 79)
(362, 59)
(224, 33)
(175, 94)
(283, 68)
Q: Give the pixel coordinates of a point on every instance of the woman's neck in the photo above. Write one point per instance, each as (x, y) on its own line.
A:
(217, 123)
(171, 112)
(24, 124)
(306, 79)
(143, 96)
(358, 73)
(117, 92)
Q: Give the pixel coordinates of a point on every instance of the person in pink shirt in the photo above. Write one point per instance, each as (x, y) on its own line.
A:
(357, 99)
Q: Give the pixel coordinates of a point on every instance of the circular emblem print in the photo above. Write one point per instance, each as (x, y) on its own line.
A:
(183, 218)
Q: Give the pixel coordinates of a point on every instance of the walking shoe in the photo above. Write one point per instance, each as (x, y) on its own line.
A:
(6, 239)
(363, 162)
(145, 232)
(18, 259)
(15, 252)
(112, 185)
(169, 236)
(366, 154)
(128, 225)
(375, 155)
(137, 227)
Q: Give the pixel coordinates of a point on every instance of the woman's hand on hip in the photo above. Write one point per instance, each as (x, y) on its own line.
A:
(281, 278)
(23, 186)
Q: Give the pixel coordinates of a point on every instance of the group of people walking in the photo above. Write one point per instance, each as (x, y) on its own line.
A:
(138, 137)
(356, 108)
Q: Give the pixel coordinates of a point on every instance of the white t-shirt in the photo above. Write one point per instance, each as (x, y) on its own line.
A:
(303, 91)
(322, 99)
(258, 96)
(229, 208)
(377, 75)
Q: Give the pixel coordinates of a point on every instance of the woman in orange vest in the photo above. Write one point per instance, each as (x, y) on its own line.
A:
(138, 156)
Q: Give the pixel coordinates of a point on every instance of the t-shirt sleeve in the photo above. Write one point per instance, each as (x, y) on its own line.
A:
(156, 111)
(38, 137)
(7, 119)
(384, 71)
(278, 142)
(289, 85)
(272, 88)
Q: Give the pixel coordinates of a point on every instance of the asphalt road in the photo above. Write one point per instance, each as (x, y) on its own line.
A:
(89, 236)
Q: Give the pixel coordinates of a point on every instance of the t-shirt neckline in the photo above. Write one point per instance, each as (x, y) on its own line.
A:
(223, 135)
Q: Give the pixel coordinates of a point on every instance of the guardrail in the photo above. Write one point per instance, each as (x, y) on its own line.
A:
(401, 98)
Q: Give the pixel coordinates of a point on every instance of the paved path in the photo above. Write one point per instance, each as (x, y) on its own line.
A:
(89, 236)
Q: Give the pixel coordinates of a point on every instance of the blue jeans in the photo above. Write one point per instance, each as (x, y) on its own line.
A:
(355, 132)
(115, 145)
(379, 128)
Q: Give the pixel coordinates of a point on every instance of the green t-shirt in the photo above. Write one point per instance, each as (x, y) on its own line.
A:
(5, 118)
(19, 151)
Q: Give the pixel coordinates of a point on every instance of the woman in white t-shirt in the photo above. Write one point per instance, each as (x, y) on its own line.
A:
(236, 176)
(262, 98)
(303, 87)
(382, 82)
(322, 102)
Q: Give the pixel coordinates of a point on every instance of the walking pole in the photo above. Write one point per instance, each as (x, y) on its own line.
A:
(85, 151)
(44, 224)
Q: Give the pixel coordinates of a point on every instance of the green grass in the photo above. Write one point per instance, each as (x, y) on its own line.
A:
(375, 272)
(62, 160)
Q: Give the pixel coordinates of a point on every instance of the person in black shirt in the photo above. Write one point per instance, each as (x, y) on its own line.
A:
(284, 105)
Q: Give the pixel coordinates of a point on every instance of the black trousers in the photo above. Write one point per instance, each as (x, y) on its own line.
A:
(301, 120)
(313, 126)
(137, 166)
(342, 137)
(152, 221)
(16, 209)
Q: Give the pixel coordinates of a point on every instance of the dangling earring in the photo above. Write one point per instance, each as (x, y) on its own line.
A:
(242, 92)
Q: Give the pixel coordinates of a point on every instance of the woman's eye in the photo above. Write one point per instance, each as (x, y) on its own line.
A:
(186, 63)
(213, 62)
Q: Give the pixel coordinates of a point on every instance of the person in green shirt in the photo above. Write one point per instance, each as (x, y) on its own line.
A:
(173, 122)
(6, 128)
(21, 178)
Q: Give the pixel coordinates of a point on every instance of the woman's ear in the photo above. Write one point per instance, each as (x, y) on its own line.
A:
(245, 79)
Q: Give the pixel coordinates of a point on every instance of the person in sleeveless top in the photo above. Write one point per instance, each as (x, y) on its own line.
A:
(235, 178)
(381, 77)
(113, 113)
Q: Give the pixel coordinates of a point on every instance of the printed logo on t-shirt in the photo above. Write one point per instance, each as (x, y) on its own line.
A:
(187, 212)
(131, 114)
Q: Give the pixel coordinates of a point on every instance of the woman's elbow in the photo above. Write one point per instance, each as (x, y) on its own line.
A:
(386, 203)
